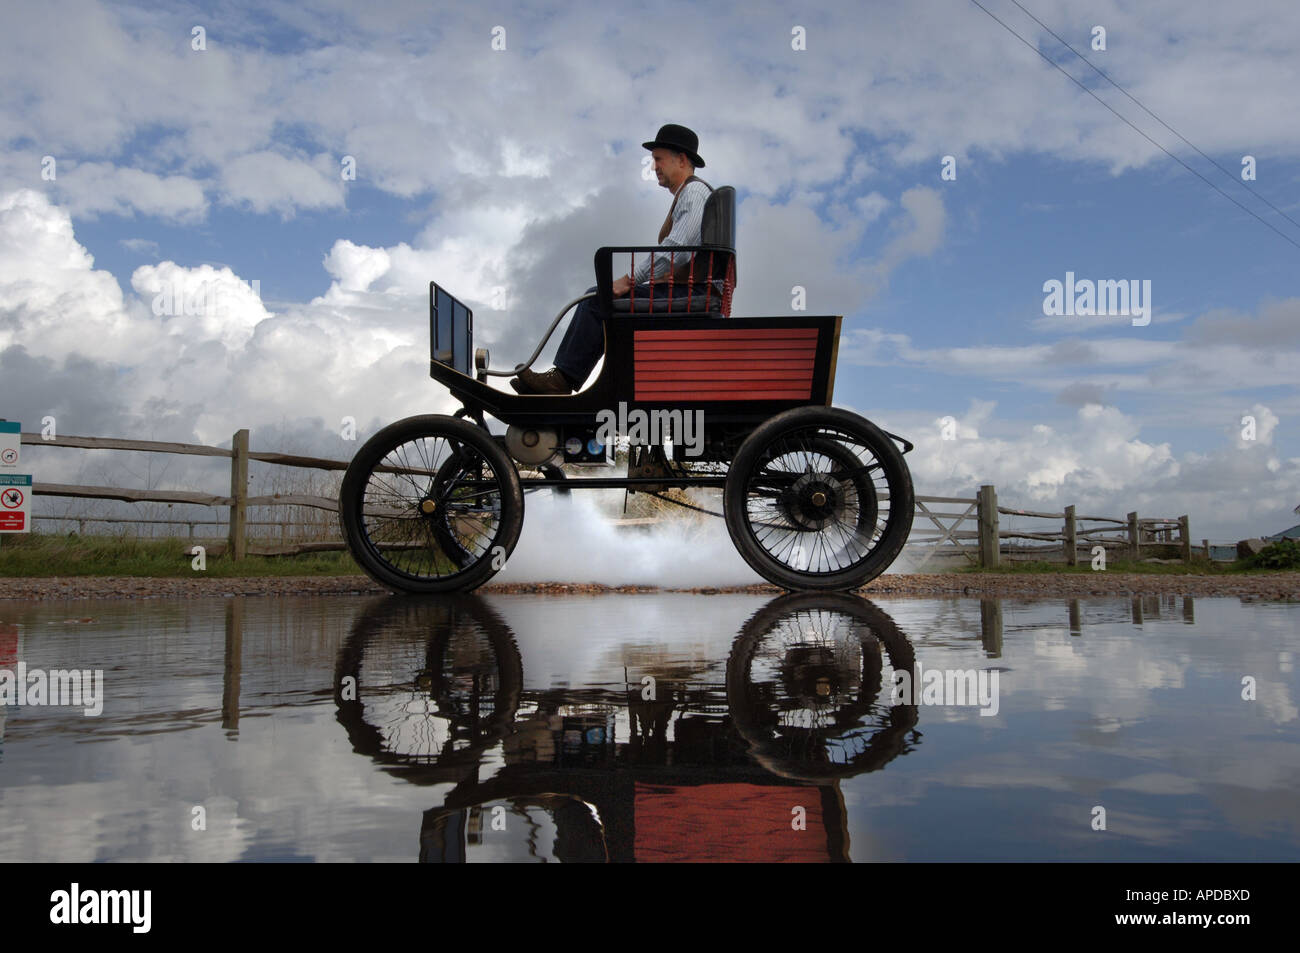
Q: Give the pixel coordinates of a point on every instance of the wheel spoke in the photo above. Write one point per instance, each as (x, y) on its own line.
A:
(432, 508)
(817, 500)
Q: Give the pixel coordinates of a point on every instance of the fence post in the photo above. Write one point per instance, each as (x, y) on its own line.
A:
(991, 627)
(1071, 544)
(239, 494)
(1206, 544)
(1134, 538)
(1185, 538)
(988, 523)
(234, 664)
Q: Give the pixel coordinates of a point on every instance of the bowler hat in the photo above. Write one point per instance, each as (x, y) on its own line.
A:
(679, 139)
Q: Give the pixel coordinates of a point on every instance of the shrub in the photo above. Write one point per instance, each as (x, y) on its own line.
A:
(1284, 554)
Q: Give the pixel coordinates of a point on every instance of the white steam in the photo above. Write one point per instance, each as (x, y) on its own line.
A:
(572, 540)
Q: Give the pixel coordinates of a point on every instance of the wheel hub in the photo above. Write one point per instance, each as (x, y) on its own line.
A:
(811, 674)
(812, 501)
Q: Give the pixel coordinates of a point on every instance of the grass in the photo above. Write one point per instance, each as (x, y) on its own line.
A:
(42, 554)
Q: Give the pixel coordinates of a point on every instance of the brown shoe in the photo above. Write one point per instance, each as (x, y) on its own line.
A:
(551, 382)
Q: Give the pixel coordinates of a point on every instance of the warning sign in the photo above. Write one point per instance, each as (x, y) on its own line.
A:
(15, 503)
(10, 444)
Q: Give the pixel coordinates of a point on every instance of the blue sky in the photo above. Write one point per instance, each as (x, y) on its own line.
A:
(485, 169)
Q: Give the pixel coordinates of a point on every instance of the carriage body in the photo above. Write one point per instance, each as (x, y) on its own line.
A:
(734, 372)
(747, 400)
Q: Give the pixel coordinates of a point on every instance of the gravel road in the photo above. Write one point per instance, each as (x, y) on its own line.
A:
(1278, 585)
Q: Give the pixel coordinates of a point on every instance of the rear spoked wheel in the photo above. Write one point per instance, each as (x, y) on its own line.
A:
(819, 498)
(811, 686)
(431, 504)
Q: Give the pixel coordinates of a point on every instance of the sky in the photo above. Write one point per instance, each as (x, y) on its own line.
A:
(188, 148)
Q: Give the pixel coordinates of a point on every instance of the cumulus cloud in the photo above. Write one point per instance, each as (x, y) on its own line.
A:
(89, 189)
(917, 235)
(354, 267)
(266, 181)
(1081, 393)
(198, 339)
(1160, 373)
(262, 126)
(1258, 425)
(1100, 453)
(199, 304)
(1099, 462)
(52, 299)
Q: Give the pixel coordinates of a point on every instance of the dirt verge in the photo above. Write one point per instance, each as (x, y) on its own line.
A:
(1280, 585)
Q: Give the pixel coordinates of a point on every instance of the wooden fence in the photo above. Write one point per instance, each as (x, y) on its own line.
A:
(238, 501)
(982, 545)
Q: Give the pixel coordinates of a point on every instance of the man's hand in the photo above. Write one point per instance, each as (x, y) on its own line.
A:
(622, 286)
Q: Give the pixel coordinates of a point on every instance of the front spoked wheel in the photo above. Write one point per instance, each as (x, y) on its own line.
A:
(819, 498)
(431, 504)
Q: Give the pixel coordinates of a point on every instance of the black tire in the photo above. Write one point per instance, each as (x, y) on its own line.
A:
(818, 498)
(805, 644)
(431, 504)
(453, 652)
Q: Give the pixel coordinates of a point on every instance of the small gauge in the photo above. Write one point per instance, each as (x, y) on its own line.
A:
(595, 447)
(573, 446)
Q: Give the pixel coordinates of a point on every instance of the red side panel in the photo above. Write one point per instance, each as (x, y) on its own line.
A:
(736, 822)
(725, 364)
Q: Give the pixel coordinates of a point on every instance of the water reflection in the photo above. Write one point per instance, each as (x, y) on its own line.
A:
(746, 767)
(234, 660)
(652, 726)
(428, 683)
(804, 687)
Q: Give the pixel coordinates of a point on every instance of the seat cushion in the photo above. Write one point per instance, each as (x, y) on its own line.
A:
(702, 304)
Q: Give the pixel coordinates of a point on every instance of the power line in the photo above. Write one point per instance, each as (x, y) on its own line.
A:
(1098, 70)
(1248, 211)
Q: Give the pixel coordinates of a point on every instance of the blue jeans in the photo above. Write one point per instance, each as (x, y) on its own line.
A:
(584, 341)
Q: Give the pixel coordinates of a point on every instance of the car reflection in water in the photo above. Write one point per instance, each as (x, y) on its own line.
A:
(747, 770)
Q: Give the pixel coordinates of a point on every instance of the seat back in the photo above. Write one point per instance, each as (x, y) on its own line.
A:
(719, 225)
(719, 228)
(714, 272)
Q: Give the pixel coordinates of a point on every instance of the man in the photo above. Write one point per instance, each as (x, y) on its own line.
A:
(675, 160)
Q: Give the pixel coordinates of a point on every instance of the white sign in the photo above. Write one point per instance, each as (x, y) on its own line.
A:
(15, 503)
(10, 443)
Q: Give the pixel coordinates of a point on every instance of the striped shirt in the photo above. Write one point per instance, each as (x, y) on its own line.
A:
(688, 219)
